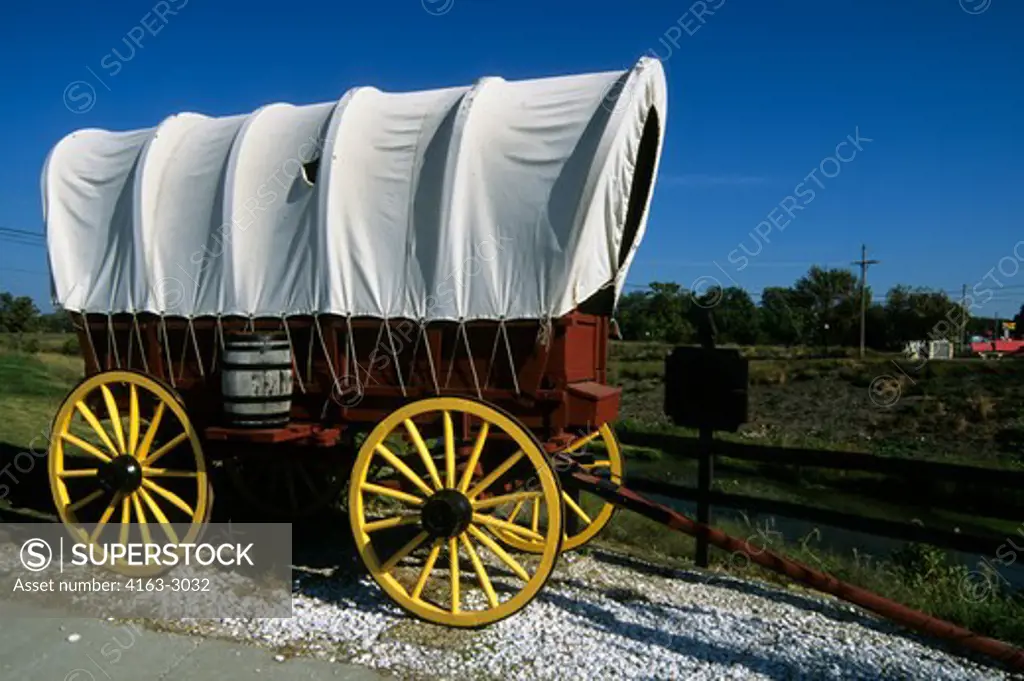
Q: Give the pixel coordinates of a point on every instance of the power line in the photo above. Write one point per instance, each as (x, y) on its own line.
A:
(18, 269)
(23, 232)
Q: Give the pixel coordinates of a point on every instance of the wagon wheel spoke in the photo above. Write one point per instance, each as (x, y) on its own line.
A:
(404, 551)
(402, 468)
(79, 473)
(596, 464)
(582, 442)
(501, 553)
(421, 448)
(449, 450)
(133, 419)
(519, 530)
(481, 572)
(85, 501)
(393, 521)
(571, 504)
(515, 511)
(428, 567)
(154, 508)
(147, 440)
(167, 473)
(453, 572)
(84, 446)
(392, 493)
(489, 479)
(474, 457)
(517, 497)
(126, 520)
(140, 515)
(105, 518)
(97, 428)
(115, 418)
(164, 449)
(169, 496)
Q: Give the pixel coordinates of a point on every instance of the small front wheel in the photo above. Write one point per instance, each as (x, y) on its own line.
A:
(125, 463)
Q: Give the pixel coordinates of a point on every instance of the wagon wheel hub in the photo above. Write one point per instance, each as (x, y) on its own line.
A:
(446, 514)
(123, 474)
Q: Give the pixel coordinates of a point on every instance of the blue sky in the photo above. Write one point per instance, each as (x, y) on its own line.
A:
(760, 94)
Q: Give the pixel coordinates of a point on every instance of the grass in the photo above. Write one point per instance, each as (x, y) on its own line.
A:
(32, 387)
(915, 575)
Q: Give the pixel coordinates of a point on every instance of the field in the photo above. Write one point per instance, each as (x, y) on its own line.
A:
(961, 411)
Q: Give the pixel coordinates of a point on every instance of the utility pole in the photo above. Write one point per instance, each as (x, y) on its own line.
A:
(864, 263)
(963, 318)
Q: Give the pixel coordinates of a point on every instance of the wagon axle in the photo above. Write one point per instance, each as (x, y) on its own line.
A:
(122, 474)
(446, 514)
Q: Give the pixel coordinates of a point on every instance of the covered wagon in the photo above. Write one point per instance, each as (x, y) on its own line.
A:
(409, 293)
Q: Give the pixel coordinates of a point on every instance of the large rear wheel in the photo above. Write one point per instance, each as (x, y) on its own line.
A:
(421, 497)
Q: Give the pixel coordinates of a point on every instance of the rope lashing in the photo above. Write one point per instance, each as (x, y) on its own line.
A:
(88, 337)
(195, 345)
(430, 357)
(350, 342)
(167, 350)
(511, 361)
(472, 364)
(291, 346)
(112, 340)
(142, 346)
(327, 355)
(394, 353)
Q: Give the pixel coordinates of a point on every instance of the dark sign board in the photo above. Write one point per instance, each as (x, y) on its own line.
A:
(706, 388)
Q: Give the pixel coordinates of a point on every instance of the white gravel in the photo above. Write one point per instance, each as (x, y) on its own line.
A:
(600, 617)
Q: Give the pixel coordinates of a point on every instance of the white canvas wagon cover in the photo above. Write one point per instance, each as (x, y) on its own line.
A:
(504, 200)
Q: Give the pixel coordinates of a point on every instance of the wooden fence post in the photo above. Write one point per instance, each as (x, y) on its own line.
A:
(705, 473)
(706, 332)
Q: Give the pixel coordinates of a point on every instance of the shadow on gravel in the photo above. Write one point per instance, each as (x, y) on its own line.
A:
(603, 619)
(838, 611)
(831, 610)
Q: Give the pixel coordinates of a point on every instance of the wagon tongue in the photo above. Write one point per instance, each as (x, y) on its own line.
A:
(122, 474)
(446, 514)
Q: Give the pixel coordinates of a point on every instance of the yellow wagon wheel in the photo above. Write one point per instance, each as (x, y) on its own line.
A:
(124, 459)
(590, 512)
(412, 501)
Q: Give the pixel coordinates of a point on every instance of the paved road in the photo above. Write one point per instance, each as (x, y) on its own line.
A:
(36, 647)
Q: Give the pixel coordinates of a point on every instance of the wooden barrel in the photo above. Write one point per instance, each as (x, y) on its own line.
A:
(256, 380)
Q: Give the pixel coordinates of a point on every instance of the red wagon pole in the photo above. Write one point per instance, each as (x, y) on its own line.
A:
(1005, 653)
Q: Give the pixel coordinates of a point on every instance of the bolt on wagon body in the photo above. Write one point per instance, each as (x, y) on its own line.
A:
(408, 293)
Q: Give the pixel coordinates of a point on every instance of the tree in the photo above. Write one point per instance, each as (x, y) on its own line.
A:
(736, 316)
(781, 320)
(56, 322)
(670, 310)
(17, 315)
(660, 314)
(920, 314)
(832, 298)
